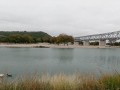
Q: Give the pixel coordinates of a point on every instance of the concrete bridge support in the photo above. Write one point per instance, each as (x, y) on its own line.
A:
(86, 43)
(102, 42)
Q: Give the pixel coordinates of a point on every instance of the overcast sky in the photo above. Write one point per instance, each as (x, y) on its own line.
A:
(74, 17)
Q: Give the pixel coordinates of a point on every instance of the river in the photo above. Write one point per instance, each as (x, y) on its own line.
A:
(18, 61)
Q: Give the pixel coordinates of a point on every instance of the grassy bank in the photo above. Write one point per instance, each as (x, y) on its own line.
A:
(63, 82)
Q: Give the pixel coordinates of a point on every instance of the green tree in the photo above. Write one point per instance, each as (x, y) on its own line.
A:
(63, 38)
(27, 38)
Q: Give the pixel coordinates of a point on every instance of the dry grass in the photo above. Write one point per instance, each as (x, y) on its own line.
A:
(63, 82)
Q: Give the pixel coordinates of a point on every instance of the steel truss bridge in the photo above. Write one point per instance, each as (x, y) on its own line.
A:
(105, 36)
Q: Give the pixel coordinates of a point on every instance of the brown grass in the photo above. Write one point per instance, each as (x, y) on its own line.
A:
(63, 82)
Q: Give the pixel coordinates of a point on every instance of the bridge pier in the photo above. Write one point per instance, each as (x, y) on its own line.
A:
(102, 42)
(86, 43)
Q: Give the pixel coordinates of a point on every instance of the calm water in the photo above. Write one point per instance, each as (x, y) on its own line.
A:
(47, 60)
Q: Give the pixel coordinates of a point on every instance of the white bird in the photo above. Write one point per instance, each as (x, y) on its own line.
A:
(2, 75)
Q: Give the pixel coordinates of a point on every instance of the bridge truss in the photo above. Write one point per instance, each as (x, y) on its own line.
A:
(104, 36)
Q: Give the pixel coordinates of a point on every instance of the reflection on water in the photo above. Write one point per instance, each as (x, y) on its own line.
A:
(50, 60)
(64, 55)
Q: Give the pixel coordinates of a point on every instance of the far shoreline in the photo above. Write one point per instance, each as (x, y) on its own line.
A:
(48, 45)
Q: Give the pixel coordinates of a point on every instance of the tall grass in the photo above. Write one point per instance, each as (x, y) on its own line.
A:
(63, 82)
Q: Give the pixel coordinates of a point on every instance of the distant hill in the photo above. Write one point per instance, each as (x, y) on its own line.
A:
(37, 34)
(24, 37)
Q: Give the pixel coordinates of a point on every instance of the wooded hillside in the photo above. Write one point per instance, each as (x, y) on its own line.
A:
(24, 37)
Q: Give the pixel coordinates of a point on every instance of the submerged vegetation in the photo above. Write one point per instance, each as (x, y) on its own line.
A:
(63, 82)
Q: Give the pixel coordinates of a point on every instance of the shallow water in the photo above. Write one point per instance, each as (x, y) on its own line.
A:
(18, 61)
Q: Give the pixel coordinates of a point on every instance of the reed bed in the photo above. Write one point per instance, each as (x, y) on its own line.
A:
(63, 82)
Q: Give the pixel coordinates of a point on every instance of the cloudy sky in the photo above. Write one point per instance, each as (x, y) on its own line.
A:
(74, 17)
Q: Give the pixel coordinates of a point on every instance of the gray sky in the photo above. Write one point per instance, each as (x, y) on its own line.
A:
(74, 17)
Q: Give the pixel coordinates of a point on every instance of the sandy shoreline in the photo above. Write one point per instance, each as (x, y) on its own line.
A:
(47, 45)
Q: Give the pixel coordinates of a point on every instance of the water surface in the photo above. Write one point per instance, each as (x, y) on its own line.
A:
(52, 60)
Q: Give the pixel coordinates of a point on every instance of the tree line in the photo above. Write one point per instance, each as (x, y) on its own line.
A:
(62, 39)
(17, 38)
(27, 38)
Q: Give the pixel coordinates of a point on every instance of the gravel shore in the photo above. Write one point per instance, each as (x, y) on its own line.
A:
(47, 45)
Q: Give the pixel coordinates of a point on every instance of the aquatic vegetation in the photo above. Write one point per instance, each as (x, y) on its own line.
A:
(63, 82)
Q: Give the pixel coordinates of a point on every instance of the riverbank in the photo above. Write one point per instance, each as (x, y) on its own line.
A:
(63, 82)
(47, 45)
